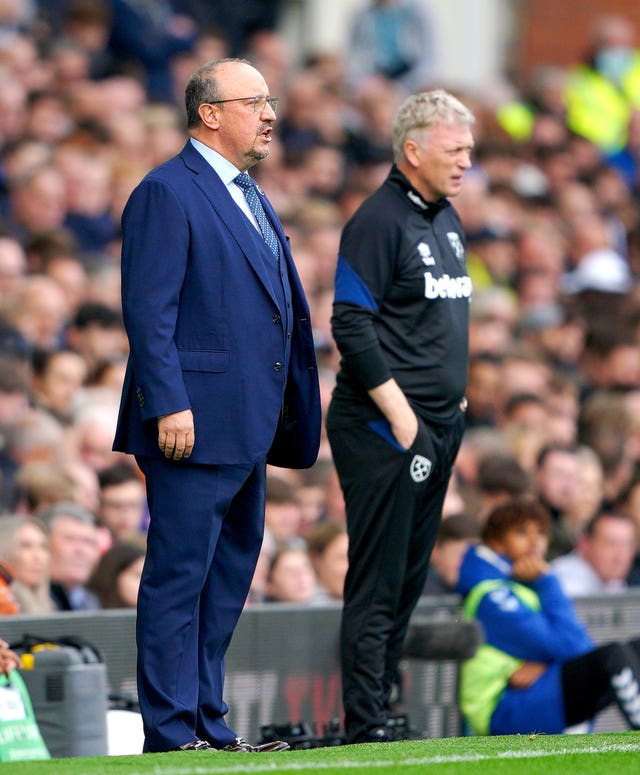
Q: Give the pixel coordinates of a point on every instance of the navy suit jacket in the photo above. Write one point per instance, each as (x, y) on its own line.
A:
(205, 329)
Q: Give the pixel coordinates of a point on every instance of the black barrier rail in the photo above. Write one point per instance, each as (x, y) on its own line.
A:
(283, 663)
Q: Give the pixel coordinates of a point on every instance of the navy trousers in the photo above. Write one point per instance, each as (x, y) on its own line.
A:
(204, 537)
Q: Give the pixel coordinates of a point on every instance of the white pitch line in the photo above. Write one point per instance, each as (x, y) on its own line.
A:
(281, 766)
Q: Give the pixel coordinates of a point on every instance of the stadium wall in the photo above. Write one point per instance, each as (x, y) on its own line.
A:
(283, 663)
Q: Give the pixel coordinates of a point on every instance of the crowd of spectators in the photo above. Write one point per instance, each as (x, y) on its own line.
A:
(91, 99)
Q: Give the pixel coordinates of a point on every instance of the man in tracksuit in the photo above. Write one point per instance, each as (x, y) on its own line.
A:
(396, 417)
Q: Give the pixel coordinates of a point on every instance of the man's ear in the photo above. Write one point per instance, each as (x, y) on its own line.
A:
(210, 115)
(411, 151)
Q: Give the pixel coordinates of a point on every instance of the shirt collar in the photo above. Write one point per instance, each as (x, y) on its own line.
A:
(414, 196)
(225, 170)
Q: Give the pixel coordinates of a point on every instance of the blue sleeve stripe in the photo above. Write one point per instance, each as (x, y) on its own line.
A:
(350, 287)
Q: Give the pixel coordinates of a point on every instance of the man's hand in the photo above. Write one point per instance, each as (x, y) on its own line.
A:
(405, 428)
(527, 674)
(176, 434)
(530, 568)
(392, 402)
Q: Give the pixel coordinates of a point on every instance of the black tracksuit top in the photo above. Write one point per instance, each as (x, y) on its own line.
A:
(401, 306)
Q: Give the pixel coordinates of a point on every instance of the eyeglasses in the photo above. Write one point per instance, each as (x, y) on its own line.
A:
(258, 102)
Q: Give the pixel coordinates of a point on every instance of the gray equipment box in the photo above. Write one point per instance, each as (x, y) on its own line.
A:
(69, 698)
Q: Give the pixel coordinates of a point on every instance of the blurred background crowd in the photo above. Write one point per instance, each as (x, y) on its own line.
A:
(91, 99)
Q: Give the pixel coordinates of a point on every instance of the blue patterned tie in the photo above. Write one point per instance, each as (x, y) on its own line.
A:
(244, 182)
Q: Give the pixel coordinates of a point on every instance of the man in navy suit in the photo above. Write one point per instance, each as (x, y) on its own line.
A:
(221, 379)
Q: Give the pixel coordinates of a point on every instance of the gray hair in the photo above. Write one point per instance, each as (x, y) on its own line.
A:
(67, 509)
(202, 87)
(422, 111)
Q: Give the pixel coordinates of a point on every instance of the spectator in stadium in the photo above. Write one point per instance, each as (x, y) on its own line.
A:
(282, 515)
(90, 437)
(500, 477)
(57, 379)
(537, 670)
(327, 545)
(311, 495)
(483, 389)
(14, 406)
(24, 549)
(392, 39)
(146, 36)
(39, 312)
(109, 375)
(237, 22)
(524, 371)
(455, 535)
(610, 360)
(34, 437)
(116, 578)
(38, 485)
(396, 417)
(525, 410)
(123, 503)
(82, 41)
(606, 424)
(97, 334)
(603, 89)
(69, 271)
(556, 483)
(86, 490)
(629, 504)
(73, 543)
(290, 578)
(89, 180)
(590, 498)
(8, 602)
(37, 202)
(258, 588)
(13, 268)
(602, 559)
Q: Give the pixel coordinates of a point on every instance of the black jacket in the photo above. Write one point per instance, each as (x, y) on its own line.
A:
(401, 306)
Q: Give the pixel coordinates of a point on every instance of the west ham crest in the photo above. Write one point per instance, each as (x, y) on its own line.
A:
(456, 244)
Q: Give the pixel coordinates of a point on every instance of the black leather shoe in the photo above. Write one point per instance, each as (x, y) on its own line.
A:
(240, 745)
(195, 745)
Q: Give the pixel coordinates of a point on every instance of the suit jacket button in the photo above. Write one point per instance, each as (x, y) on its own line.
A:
(277, 366)
(276, 318)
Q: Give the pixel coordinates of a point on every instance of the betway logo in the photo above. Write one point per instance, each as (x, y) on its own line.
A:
(446, 287)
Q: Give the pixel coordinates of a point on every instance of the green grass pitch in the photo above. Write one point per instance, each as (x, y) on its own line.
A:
(595, 754)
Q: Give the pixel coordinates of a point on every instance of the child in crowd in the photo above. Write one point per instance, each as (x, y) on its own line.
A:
(538, 670)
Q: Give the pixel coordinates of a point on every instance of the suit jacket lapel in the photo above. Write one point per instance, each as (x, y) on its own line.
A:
(242, 231)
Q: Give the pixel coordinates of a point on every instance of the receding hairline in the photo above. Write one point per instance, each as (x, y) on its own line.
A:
(215, 66)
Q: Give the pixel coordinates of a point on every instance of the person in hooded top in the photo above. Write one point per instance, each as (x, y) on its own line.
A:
(538, 670)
